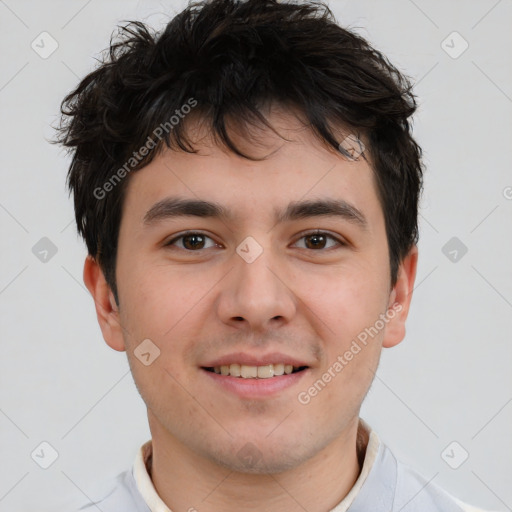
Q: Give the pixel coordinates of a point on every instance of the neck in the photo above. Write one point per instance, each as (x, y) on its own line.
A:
(187, 481)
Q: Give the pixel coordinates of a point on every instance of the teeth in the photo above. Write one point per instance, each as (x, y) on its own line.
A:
(235, 370)
(265, 372)
(279, 369)
(248, 372)
(253, 372)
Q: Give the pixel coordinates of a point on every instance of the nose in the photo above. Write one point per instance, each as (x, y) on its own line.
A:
(257, 296)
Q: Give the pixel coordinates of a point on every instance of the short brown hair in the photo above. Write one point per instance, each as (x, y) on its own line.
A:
(231, 57)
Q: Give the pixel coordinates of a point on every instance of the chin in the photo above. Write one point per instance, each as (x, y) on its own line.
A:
(261, 458)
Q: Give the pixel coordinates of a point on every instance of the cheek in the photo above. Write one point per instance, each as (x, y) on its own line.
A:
(347, 302)
(154, 301)
(164, 307)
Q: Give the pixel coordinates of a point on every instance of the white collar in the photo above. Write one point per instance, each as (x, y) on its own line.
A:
(155, 503)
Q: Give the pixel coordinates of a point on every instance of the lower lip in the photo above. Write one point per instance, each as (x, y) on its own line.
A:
(256, 388)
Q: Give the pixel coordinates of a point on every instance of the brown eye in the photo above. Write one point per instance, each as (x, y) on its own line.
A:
(319, 240)
(191, 242)
(316, 241)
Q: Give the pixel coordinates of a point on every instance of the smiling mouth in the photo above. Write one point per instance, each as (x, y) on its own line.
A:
(255, 372)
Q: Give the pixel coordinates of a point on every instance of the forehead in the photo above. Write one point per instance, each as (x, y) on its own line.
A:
(286, 168)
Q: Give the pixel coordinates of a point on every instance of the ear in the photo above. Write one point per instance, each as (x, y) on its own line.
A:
(400, 299)
(106, 308)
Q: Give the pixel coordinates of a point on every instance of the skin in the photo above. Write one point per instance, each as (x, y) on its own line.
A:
(296, 298)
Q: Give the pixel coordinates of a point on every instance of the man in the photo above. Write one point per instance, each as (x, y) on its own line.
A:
(247, 185)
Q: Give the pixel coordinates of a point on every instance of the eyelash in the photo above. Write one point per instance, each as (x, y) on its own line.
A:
(340, 242)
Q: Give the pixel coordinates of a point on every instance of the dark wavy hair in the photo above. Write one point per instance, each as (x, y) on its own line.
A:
(233, 57)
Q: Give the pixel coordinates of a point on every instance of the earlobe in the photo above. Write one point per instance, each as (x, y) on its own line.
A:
(107, 311)
(400, 299)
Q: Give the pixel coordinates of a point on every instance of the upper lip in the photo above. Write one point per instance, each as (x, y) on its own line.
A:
(254, 360)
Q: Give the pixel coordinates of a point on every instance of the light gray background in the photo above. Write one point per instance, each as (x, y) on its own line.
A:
(450, 379)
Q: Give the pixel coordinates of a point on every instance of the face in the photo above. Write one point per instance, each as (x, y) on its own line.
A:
(261, 279)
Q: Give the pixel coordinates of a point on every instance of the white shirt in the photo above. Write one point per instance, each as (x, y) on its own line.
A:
(384, 485)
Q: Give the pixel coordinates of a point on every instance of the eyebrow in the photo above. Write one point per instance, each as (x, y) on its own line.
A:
(172, 207)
